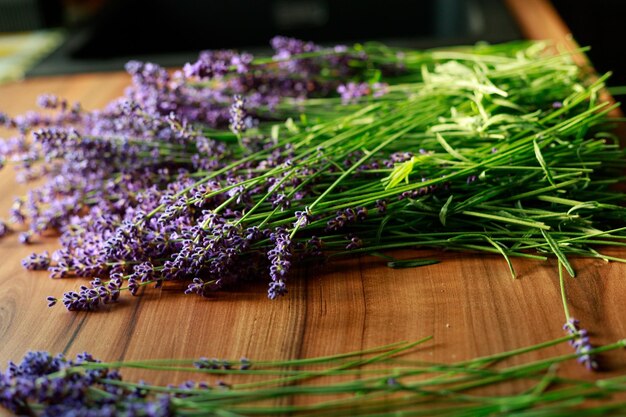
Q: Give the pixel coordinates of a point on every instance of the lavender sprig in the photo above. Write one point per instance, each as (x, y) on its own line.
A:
(580, 337)
(380, 380)
(154, 188)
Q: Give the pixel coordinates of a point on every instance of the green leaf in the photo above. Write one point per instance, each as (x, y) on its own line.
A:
(400, 173)
(444, 210)
(382, 255)
(507, 219)
(275, 132)
(450, 149)
(542, 162)
(291, 126)
(383, 223)
(411, 263)
(503, 253)
(559, 254)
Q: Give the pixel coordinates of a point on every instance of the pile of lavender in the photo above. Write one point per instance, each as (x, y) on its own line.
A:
(240, 167)
(45, 385)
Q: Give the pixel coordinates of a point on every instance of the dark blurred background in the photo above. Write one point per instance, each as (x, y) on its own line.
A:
(102, 35)
(600, 24)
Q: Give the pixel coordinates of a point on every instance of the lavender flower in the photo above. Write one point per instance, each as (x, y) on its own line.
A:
(204, 363)
(50, 101)
(4, 229)
(381, 206)
(303, 218)
(380, 89)
(581, 344)
(286, 48)
(37, 262)
(279, 257)
(24, 238)
(214, 64)
(5, 120)
(238, 117)
(51, 301)
(49, 383)
(352, 92)
(354, 242)
(90, 297)
(153, 188)
(346, 216)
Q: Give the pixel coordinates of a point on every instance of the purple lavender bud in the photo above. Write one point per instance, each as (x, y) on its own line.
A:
(37, 262)
(133, 67)
(24, 238)
(392, 382)
(239, 121)
(244, 364)
(133, 286)
(5, 120)
(276, 289)
(4, 229)
(381, 206)
(280, 200)
(581, 344)
(303, 218)
(197, 286)
(212, 64)
(286, 47)
(16, 211)
(51, 301)
(380, 89)
(355, 243)
(130, 107)
(572, 325)
(351, 92)
(50, 101)
(222, 384)
(313, 247)
(205, 363)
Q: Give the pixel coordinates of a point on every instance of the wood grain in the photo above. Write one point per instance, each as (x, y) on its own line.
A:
(469, 302)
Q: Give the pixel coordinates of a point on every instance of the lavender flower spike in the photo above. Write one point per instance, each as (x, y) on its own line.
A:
(351, 92)
(4, 229)
(581, 344)
(238, 115)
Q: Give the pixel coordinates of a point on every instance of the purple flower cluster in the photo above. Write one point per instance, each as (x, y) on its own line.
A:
(352, 92)
(37, 262)
(94, 295)
(54, 386)
(143, 194)
(215, 364)
(346, 216)
(217, 64)
(4, 229)
(239, 121)
(280, 262)
(581, 344)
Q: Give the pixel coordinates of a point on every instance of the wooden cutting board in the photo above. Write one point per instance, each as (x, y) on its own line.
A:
(469, 302)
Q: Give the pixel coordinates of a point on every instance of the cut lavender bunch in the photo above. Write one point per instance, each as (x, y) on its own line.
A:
(240, 167)
(371, 382)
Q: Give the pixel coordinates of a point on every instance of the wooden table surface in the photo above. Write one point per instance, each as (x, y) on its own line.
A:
(469, 302)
